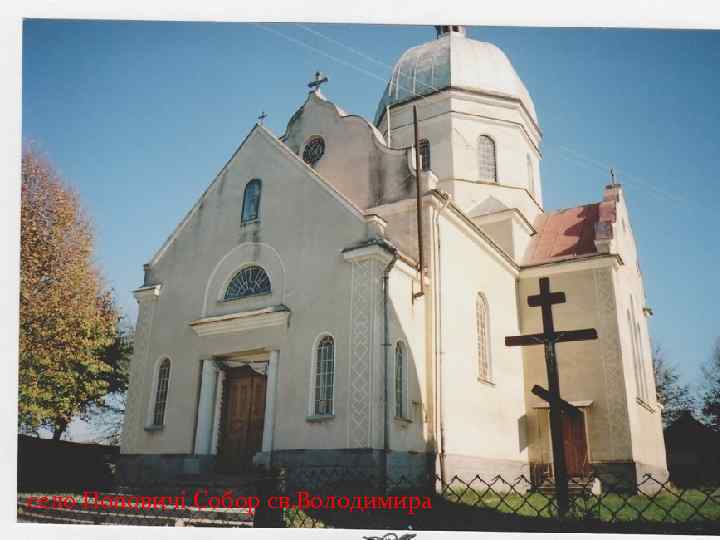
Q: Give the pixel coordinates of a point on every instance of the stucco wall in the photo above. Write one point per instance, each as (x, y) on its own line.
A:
(645, 413)
(588, 370)
(483, 420)
(302, 231)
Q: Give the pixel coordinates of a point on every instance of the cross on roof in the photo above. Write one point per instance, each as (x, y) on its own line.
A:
(319, 79)
(262, 117)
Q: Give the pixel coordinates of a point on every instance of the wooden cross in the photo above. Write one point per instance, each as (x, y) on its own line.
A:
(549, 337)
(319, 79)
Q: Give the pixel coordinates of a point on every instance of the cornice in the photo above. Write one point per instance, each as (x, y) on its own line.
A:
(243, 321)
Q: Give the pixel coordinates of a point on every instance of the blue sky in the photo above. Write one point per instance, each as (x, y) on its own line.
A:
(140, 116)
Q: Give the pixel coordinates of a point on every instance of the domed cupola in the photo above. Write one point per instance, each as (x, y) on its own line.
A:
(453, 61)
(478, 130)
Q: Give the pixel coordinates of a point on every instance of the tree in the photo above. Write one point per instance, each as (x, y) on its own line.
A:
(711, 393)
(673, 396)
(68, 319)
(107, 418)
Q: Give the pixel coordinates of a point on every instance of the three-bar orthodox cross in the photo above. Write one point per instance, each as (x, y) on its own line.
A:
(549, 337)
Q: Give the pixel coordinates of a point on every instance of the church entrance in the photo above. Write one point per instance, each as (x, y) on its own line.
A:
(242, 418)
(575, 445)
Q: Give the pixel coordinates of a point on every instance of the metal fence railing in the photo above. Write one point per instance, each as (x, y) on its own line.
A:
(344, 498)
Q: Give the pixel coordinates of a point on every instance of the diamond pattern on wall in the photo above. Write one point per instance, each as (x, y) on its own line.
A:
(360, 354)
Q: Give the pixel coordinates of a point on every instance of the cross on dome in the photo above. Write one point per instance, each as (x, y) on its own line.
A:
(446, 29)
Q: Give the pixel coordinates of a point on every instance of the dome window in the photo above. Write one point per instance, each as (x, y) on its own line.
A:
(487, 168)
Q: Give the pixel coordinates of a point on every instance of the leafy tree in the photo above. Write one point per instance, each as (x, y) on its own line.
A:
(711, 394)
(107, 418)
(69, 337)
(673, 396)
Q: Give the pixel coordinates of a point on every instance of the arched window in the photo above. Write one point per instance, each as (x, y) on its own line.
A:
(424, 151)
(487, 169)
(637, 352)
(251, 201)
(249, 281)
(483, 337)
(161, 392)
(400, 381)
(324, 376)
(531, 176)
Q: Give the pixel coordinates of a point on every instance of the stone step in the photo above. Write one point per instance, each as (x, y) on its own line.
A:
(577, 487)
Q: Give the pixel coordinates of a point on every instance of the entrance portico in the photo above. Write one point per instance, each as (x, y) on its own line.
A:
(213, 427)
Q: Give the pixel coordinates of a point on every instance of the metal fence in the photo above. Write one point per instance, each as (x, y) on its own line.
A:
(359, 500)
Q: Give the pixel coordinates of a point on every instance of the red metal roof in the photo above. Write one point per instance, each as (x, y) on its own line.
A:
(571, 233)
(563, 234)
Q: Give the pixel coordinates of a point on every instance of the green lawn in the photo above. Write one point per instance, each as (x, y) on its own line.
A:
(671, 505)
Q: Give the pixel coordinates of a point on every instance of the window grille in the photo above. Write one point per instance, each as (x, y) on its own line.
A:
(483, 337)
(251, 201)
(487, 168)
(161, 392)
(250, 281)
(324, 377)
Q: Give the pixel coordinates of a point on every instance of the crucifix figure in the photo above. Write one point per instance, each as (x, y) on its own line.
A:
(558, 406)
(315, 84)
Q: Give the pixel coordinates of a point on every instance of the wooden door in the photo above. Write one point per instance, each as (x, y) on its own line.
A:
(243, 418)
(575, 445)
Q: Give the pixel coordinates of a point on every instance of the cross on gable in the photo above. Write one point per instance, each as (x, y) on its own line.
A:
(314, 85)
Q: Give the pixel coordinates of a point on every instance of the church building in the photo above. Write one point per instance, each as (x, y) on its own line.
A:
(311, 310)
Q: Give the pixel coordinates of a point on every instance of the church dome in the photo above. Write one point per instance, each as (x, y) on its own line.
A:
(453, 60)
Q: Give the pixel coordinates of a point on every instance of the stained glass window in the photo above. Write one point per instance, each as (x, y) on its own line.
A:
(251, 201)
(250, 281)
(483, 337)
(400, 381)
(487, 168)
(161, 392)
(324, 377)
(424, 151)
(314, 150)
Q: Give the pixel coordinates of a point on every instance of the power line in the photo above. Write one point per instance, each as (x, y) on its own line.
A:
(578, 157)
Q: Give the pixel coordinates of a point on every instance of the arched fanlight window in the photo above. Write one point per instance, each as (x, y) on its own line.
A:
(424, 151)
(483, 337)
(400, 381)
(161, 392)
(249, 281)
(324, 377)
(531, 175)
(487, 168)
(251, 201)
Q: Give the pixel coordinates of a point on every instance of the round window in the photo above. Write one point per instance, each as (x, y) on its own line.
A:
(314, 150)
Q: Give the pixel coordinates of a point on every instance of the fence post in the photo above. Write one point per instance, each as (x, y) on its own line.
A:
(269, 485)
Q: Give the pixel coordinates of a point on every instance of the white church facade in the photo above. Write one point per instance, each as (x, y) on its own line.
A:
(285, 321)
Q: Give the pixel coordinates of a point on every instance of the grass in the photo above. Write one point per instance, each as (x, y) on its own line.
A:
(671, 505)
